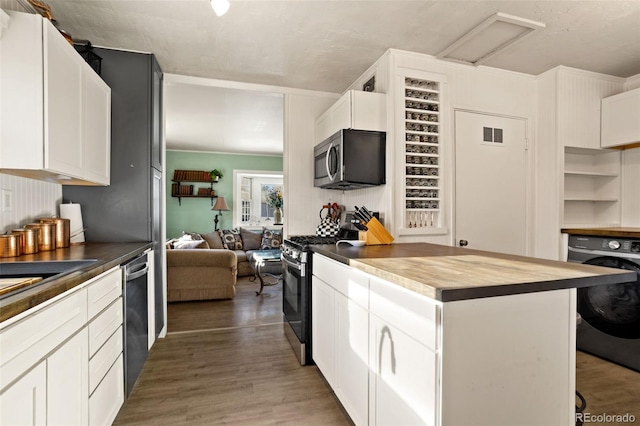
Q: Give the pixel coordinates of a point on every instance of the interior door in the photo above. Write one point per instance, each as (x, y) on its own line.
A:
(491, 182)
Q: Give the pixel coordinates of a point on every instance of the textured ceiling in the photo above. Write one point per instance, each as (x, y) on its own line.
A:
(204, 118)
(326, 45)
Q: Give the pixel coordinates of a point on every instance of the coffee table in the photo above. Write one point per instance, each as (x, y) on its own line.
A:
(263, 259)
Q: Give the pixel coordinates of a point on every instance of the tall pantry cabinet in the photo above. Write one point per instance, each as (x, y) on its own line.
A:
(130, 209)
(576, 177)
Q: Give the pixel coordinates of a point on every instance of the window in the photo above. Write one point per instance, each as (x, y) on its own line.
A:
(250, 207)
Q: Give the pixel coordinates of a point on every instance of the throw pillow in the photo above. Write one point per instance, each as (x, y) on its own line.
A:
(187, 241)
(271, 239)
(231, 239)
(214, 240)
(250, 240)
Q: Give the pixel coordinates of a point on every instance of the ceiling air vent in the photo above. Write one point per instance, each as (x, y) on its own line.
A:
(491, 37)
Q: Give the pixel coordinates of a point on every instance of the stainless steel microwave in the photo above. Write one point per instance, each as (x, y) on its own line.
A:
(350, 159)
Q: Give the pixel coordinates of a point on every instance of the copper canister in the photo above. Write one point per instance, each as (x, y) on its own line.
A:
(9, 245)
(28, 240)
(46, 235)
(63, 230)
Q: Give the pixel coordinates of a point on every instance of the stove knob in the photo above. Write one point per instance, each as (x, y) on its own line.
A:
(614, 245)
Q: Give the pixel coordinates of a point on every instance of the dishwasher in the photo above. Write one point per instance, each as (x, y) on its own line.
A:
(136, 320)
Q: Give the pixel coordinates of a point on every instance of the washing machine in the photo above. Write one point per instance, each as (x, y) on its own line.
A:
(611, 313)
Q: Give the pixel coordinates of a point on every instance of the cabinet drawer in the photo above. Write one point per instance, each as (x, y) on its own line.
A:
(103, 326)
(106, 400)
(104, 290)
(351, 283)
(26, 342)
(104, 359)
(414, 314)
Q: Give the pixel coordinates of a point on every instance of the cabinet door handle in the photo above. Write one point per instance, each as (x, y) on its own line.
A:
(386, 331)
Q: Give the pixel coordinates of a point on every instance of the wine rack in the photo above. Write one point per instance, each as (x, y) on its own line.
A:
(422, 154)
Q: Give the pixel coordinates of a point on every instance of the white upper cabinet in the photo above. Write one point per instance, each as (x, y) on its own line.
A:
(62, 104)
(621, 119)
(55, 110)
(579, 95)
(96, 128)
(354, 110)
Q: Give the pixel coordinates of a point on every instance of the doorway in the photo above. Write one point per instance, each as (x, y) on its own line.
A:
(491, 185)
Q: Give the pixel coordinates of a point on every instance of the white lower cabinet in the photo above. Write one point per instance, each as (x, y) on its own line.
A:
(67, 382)
(323, 328)
(25, 402)
(376, 345)
(340, 338)
(352, 349)
(54, 392)
(48, 374)
(403, 378)
(106, 400)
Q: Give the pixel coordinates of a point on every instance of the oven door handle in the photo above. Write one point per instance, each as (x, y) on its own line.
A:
(300, 267)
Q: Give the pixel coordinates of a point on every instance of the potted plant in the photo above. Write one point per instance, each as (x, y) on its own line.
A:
(275, 200)
(215, 175)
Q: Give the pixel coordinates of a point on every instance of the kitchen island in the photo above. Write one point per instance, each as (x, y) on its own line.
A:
(428, 334)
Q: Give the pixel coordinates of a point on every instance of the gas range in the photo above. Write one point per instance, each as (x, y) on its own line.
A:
(302, 242)
(296, 247)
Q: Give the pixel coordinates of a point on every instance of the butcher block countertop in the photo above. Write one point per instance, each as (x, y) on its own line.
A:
(450, 273)
(107, 256)
(617, 232)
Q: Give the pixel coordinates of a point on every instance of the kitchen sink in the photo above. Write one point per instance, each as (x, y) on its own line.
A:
(44, 269)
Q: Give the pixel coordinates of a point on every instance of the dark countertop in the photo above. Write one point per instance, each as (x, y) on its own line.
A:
(107, 256)
(617, 232)
(449, 273)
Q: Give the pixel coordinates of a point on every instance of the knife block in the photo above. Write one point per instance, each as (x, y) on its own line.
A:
(375, 234)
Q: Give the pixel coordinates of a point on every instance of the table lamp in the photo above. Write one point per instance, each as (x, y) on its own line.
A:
(221, 206)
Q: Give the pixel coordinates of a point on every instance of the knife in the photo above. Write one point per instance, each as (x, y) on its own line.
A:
(367, 213)
(358, 213)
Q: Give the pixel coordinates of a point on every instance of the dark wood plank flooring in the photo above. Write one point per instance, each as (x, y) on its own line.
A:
(228, 362)
(246, 309)
(607, 387)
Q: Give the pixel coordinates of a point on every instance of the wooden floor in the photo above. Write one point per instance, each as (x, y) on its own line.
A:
(245, 309)
(228, 362)
(237, 369)
(608, 388)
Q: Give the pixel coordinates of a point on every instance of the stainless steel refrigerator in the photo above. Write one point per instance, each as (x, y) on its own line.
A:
(130, 208)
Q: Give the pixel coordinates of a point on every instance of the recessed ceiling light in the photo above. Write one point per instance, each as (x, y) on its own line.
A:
(491, 37)
(220, 6)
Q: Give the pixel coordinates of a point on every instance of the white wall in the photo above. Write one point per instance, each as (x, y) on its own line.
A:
(631, 174)
(31, 199)
(482, 89)
(549, 167)
(304, 201)
(630, 188)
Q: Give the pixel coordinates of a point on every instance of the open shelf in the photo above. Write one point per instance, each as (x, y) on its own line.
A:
(180, 191)
(592, 187)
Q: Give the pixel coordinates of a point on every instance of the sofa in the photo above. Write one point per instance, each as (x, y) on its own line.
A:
(201, 274)
(205, 266)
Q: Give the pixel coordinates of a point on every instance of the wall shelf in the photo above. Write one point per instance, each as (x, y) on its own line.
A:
(180, 191)
(591, 187)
